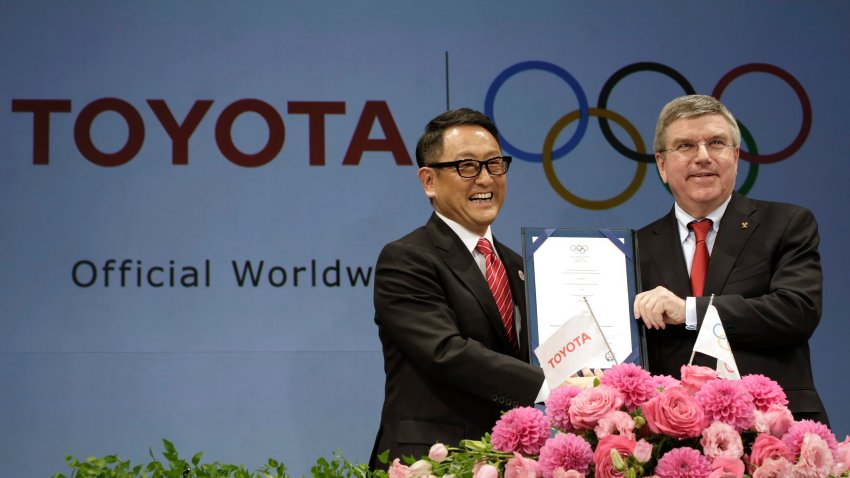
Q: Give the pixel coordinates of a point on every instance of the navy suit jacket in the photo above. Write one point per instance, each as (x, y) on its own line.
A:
(450, 370)
(766, 276)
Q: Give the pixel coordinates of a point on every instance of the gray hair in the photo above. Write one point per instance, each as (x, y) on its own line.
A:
(690, 106)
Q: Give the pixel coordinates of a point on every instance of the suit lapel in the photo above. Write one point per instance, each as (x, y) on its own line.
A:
(736, 226)
(460, 262)
(665, 248)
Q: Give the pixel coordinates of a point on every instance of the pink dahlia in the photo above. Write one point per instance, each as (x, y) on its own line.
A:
(683, 463)
(632, 381)
(523, 430)
(558, 407)
(765, 391)
(720, 439)
(727, 401)
(794, 437)
(565, 451)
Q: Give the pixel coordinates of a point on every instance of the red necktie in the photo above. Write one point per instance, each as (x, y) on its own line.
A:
(700, 263)
(497, 279)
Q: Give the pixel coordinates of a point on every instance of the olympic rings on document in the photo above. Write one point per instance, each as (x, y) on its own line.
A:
(490, 100)
(579, 248)
(630, 190)
(795, 85)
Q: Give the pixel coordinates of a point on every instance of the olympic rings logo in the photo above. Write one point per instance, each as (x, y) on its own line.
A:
(722, 341)
(579, 248)
(639, 154)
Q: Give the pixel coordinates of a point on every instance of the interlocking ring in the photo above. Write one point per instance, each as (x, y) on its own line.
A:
(639, 154)
(630, 190)
(490, 100)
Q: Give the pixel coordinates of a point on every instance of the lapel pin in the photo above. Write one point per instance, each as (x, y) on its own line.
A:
(744, 224)
(521, 275)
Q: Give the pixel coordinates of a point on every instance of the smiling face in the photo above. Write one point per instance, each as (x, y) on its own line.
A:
(701, 182)
(475, 202)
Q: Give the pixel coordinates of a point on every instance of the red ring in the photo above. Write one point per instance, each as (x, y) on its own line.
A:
(801, 94)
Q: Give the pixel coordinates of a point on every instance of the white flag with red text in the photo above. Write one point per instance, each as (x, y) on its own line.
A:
(712, 341)
(574, 346)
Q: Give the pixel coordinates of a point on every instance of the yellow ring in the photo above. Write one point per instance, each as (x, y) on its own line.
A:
(630, 190)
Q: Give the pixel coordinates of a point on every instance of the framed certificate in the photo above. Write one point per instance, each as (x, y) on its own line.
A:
(570, 271)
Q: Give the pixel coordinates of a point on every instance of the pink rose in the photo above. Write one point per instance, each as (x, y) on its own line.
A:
(561, 473)
(397, 470)
(768, 447)
(778, 420)
(727, 467)
(675, 413)
(591, 404)
(643, 451)
(521, 467)
(694, 376)
(771, 468)
(486, 471)
(616, 423)
(420, 468)
(720, 439)
(438, 452)
(602, 455)
(815, 459)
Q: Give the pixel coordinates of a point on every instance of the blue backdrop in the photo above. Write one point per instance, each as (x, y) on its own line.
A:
(154, 156)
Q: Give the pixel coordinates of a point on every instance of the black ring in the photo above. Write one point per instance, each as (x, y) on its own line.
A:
(606, 91)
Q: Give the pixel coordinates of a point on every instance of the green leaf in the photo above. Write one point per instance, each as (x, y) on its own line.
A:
(169, 447)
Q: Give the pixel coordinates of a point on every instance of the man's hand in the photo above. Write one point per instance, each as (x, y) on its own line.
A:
(659, 307)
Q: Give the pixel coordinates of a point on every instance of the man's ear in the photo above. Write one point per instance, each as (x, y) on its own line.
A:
(659, 162)
(426, 177)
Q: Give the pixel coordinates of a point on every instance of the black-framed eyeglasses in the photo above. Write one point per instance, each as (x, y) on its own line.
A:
(471, 168)
(714, 147)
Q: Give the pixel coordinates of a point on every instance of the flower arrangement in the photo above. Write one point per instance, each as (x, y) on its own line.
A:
(632, 424)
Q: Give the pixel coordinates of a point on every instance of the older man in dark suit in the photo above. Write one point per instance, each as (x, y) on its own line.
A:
(759, 259)
(449, 300)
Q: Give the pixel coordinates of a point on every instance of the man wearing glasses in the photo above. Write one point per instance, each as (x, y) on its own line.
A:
(759, 259)
(449, 300)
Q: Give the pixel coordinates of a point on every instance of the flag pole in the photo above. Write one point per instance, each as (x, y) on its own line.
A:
(605, 339)
(693, 352)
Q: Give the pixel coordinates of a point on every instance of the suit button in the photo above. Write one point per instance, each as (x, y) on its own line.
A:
(494, 397)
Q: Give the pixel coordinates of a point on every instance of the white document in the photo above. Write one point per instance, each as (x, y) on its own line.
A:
(568, 269)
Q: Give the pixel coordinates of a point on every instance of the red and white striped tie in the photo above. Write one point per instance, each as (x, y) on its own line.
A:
(497, 279)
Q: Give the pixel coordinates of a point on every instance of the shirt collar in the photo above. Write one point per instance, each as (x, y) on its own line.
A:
(469, 238)
(683, 218)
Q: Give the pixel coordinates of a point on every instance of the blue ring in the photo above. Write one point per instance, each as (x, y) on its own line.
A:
(584, 116)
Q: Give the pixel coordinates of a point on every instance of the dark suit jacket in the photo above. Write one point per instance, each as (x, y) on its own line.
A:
(766, 274)
(450, 370)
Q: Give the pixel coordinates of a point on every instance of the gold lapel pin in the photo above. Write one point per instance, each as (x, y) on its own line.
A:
(744, 224)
